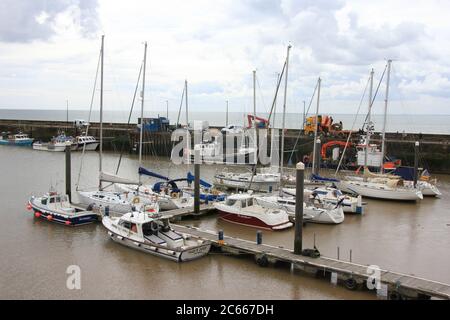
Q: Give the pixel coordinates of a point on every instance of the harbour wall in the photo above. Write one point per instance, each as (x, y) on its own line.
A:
(434, 148)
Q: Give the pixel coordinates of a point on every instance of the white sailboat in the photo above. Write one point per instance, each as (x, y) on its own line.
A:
(118, 203)
(380, 186)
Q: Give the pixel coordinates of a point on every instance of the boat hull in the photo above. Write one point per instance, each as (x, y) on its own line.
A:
(251, 221)
(90, 146)
(55, 217)
(27, 142)
(380, 192)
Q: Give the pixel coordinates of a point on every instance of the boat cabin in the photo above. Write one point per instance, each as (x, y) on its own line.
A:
(240, 201)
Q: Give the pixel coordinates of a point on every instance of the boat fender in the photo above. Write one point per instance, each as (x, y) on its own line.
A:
(262, 261)
(136, 200)
(29, 207)
(37, 214)
(154, 227)
(67, 223)
(49, 217)
(351, 284)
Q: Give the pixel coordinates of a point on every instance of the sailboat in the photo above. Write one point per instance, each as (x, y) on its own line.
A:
(118, 203)
(380, 186)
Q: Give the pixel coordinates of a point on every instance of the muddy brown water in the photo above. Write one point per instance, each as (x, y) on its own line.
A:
(35, 254)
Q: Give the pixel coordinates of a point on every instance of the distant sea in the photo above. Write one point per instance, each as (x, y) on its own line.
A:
(395, 123)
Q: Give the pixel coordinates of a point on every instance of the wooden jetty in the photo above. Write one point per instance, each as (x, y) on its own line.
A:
(352, 275)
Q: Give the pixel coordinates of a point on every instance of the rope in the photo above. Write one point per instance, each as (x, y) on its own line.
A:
(89, 121)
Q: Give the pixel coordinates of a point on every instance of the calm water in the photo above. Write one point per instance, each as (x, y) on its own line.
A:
(395, 123)
(409, 238)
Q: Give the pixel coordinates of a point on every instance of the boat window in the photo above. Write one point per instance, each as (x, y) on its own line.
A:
(44, 201)
(52, 200)
(243, 203)
(58, 199)
(250, 202)
(125, 224)
(231, 202)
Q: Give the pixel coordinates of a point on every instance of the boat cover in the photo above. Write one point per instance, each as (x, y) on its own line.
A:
(145, 172)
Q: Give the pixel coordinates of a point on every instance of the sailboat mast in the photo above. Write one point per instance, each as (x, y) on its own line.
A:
(141, 137)
(167, 109)
(284, 114)
(101, 110)
(316, 127)
(383, 142)
(186, 98)
(226, 118)
(368, 120)
(254, 98)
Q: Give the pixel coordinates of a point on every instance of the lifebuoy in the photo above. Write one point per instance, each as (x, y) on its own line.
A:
(136, 200)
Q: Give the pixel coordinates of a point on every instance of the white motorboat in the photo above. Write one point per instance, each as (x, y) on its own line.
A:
(243, 209)
(332, 196)
(88, 143)
(57, 144)
(314, 213)
(57, 208)
(151, 233)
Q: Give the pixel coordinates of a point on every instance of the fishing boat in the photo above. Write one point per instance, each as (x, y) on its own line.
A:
(332, 196)
(56, 144)
(56, 207)
(88, 143)
(19, 139)
(152, 233)
(243, 209)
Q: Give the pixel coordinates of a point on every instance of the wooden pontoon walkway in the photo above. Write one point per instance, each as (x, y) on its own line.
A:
(407, 285)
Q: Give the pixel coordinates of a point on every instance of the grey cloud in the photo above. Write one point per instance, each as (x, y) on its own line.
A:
(18, 18)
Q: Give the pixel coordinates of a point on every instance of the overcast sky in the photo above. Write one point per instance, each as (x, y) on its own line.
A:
(49, 51)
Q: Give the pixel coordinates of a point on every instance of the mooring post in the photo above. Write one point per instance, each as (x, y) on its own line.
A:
(416, 161)
(317, 156)
(299, 185)
(350, 255)
(338, 253)
(220, 236)
(197, 181)
(68, 174)
(314, 240)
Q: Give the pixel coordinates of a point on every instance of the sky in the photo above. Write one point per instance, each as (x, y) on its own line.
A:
(49, 51)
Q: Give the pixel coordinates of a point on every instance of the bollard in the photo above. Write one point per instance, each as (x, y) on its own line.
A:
(299, 185)
(359, 207)
(221, 241)
(258, 237)
(68, 174)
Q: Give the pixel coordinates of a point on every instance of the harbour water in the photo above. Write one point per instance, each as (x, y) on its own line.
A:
(419, 123)
(404, 237)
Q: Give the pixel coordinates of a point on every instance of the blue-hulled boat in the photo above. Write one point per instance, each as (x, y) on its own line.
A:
(55, 207)
(19, 139)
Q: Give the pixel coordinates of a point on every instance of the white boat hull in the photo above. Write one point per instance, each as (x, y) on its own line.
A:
(379, 191)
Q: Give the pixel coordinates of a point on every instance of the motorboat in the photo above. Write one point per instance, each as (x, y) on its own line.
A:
(88, 143)
(20, 139)
(56, 144)
(243, 209)
(152, 233)
(312, 212)
(56, 207)
(332, 196)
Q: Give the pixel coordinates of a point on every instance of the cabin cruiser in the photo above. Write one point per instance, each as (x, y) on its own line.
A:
(315, 212)
(20, 139)
(244, 209)
(58, 143)
(88, 143)
(152, 233)
(332, 196)
(56, 207)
